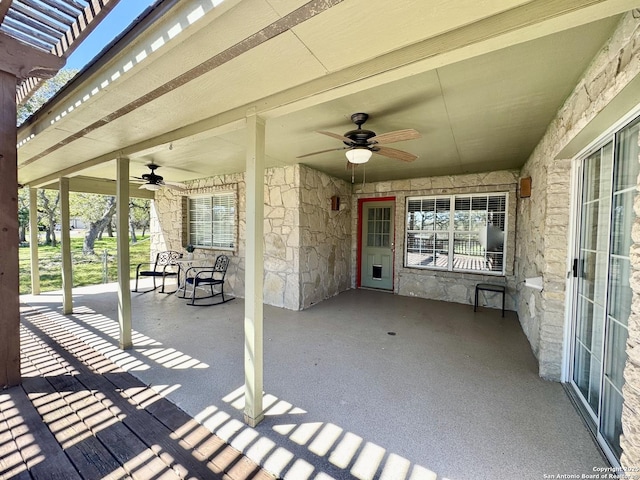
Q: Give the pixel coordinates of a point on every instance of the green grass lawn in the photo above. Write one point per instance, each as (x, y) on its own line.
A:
(87, 269)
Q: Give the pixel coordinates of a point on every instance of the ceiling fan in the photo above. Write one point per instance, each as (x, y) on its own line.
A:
(360, 143)
(156, 182)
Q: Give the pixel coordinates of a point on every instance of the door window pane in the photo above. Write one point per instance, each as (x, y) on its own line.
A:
(622, 219)
(612, 418)
(620, 290)
(616, 343)
(627, 154)
(586, 376)
(379, 227)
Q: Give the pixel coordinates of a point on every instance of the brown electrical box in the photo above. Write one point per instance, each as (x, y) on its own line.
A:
(335, 203)
(525, 187)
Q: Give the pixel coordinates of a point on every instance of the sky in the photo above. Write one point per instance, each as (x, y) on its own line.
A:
(114, 23)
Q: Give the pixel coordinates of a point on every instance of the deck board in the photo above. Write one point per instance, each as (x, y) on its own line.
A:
(79, 416)
(43, 455)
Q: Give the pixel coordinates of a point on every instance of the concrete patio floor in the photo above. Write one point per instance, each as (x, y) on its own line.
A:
(363, 385)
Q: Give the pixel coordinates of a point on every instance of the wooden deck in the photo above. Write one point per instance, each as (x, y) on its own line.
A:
(79, 416)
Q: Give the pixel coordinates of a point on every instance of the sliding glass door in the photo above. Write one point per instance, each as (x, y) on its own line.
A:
(602, 293)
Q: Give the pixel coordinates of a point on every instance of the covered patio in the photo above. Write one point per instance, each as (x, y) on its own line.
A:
(514, 117)
(363, 385)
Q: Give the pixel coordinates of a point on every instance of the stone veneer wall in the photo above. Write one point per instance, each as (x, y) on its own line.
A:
(436, 284)
(281, 231)
(325, 248)
(306, 245)
(282, 237)
(169, 225)
(543, 219)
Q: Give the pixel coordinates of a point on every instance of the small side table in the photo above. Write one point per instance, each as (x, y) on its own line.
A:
(489, 287)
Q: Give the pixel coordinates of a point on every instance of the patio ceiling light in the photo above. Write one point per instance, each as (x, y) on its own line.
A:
(358, 155)
(151, 186)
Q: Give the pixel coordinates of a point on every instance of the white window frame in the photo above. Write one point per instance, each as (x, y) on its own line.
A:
(234, 226)
(452, 231)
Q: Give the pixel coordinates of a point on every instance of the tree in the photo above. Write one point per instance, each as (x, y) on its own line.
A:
(23, 213)
(99, 225)
(23, 222)
(49, 201)
(139, 210)
(48, 89)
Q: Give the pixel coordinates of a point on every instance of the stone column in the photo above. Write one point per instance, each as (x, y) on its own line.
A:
(254, 271)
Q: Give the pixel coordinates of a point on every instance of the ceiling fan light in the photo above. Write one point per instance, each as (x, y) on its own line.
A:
(151, 186)
(358, 155)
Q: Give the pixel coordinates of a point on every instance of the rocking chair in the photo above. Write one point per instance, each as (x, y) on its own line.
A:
(164, 266)
(199, 276)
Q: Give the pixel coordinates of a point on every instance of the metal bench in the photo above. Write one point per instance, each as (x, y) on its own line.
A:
(489, 287)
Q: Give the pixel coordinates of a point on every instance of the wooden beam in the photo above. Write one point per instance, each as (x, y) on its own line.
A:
(4, 8)
(9, 270)
(23, 61)
(216, 126)
(99, 186)
(254, 272)
(65, 241)
(33, 240)
(124, 282)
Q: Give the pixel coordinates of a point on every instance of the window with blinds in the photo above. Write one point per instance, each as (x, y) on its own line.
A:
(212, 221)
(457, 232)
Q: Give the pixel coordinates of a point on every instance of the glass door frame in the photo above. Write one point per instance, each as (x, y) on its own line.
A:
(571, 306)
(577, 201)
(361, 202)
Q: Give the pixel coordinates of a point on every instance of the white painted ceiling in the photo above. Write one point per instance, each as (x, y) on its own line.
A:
(480, 80)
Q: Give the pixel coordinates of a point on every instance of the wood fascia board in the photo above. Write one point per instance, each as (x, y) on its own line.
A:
(24, 61)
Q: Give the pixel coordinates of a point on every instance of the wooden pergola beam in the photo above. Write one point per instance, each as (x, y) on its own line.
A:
(4, 8)
(23, 61)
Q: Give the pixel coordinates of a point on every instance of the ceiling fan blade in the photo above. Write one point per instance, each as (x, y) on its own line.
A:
(396, 136)
(395, 154)
(342, 138)
(321, 151)
(175, 185)
(137, 178)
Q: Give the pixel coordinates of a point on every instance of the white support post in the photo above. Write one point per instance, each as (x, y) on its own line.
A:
(33, 240)
(65, 243)
(124, 282)
(254, 268)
